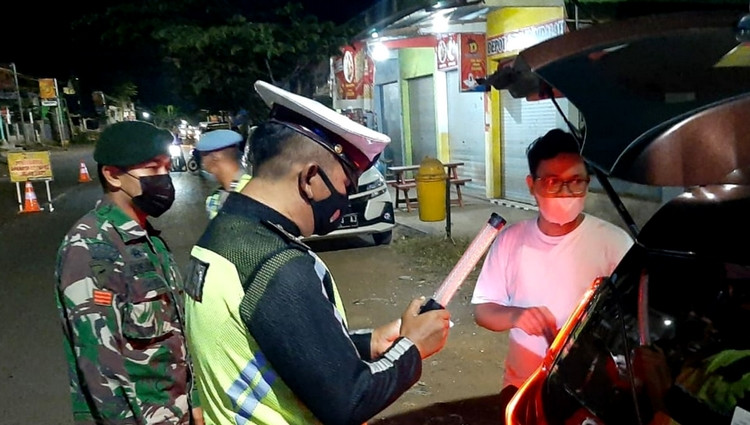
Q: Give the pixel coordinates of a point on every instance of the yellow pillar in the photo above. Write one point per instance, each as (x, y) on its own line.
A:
(502, 23)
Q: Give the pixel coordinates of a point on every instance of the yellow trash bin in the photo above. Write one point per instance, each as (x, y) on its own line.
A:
(430, 180)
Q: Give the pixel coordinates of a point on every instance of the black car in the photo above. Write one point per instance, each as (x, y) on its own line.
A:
(666, 338)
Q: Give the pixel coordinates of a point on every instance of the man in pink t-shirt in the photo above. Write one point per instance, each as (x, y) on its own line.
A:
(537, 270)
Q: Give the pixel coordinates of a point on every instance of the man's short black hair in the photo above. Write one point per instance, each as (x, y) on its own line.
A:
(274, 147)
(267, 142)
(553, 143)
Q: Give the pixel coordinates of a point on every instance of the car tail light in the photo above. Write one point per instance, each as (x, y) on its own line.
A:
(526, 408)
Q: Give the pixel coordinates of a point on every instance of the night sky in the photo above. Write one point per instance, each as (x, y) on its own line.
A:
(36, 36)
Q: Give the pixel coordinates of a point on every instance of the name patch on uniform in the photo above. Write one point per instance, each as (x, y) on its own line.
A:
(196, 278)
(102, 297)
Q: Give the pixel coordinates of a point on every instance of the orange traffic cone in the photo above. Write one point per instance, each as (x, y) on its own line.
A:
(83, 175)
(30, 204)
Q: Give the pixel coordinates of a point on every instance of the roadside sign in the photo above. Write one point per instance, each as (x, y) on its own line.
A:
(23, 166)
(47, 88)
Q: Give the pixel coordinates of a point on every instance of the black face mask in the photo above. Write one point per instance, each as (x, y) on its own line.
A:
(157, 194)
(324, 211)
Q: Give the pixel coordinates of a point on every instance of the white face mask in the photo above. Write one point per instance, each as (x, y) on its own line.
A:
(560, 210)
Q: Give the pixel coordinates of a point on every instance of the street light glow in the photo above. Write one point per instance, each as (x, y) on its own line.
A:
(440, 23)
(379, 52)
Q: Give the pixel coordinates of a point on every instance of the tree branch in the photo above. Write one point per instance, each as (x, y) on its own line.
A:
(270, 72)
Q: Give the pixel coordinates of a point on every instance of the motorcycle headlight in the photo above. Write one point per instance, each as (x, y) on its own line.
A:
(175, 150)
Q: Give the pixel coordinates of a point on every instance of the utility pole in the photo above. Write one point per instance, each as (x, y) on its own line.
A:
(3, 139)
(61, 125)
(20, 104)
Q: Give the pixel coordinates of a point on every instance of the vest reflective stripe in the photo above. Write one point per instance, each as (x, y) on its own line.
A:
(322, 271)
(242, 182)
(216, 199)
(257, 370)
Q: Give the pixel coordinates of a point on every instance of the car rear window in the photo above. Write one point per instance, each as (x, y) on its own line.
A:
(697, 367)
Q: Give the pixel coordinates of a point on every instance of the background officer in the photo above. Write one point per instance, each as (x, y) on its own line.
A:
(220, 156)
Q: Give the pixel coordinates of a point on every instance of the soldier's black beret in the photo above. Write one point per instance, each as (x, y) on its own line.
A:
(127, 143)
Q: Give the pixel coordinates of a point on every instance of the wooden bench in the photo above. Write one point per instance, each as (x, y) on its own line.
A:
(404, 187)
(402, 184)
(408, 184)
(394, 182)
(458, 182)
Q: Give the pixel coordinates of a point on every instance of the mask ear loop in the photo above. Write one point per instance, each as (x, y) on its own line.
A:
(124, 171)
(353, 177)
(350, 189)
(353, 186)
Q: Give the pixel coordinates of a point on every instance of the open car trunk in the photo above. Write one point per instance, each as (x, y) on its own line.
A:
(665, 102)
(639, 85)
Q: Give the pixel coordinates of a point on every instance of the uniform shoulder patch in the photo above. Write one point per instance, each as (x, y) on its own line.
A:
(102, 297)
(196, 278)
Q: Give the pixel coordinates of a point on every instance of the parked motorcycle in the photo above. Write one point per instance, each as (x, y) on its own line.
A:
(194, 161)
(177, 157)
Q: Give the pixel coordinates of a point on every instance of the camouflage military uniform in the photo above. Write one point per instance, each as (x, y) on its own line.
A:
(119, 295)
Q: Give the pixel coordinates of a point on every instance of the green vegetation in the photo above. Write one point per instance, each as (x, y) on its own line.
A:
(205, 54)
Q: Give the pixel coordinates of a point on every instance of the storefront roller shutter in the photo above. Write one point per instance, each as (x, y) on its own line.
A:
(422, 118)
(391, 108)
(466, 132)
(522, 122)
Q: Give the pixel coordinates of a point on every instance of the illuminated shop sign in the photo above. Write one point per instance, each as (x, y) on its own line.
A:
(524, 37)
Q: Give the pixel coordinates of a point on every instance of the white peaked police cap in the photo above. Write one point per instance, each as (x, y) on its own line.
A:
(355, 145)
